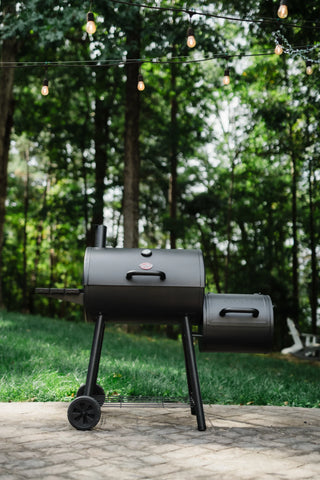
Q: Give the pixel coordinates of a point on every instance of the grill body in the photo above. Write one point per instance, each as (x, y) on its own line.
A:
(143, 285)
(160, 286)
(237, 323)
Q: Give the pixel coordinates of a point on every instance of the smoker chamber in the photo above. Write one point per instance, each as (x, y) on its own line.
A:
(144, 285)
(237, 323)
(160, 286)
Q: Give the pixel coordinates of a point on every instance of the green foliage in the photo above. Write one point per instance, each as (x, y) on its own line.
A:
(234, 147)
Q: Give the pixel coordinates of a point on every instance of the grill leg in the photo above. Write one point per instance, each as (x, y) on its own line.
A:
(192, 375)
(94, 357)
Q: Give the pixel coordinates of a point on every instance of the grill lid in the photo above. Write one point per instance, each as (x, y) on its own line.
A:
(237, 322)
(145, 267)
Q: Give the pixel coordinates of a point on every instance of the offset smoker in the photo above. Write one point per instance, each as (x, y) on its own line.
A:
(160, 286)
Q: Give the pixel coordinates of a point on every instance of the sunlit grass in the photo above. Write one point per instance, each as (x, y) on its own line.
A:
(42, 359)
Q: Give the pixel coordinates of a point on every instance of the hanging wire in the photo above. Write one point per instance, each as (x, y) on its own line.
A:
(302, 51)
(110, 63)
(212, 15)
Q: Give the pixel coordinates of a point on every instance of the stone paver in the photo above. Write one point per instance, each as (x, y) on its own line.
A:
(240, 443)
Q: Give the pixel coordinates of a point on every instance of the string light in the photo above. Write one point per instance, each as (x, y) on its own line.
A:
(283, 9)
(191, 41)
(226, 78)
(278, 50)
(141, 86)
(282, 45)
(91, 26)
(45, 85)
(45, 88)
(309, 69)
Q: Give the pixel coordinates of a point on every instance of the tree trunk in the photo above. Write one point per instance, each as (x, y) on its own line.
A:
(85, 199)
(131, 141)
(295, 263)
(8, 54)
(39, 238)
(173, 135)
(100, 140)
(294, 174)
(229, 228)
(313, 243)
(83, 146)
(313, 246)
(25, 296)
(53, 261)
(211, 259)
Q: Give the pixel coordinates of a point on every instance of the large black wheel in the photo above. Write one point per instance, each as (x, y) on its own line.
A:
(98, 393)
(84, 413)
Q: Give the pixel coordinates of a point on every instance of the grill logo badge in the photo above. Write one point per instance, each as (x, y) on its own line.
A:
(146, 265)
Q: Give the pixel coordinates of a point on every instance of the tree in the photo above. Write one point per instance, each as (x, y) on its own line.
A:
(169, 161)
(131, 141)
(9, 49)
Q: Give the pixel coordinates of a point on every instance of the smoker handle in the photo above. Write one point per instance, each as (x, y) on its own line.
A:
(254, 312)
(156, 273)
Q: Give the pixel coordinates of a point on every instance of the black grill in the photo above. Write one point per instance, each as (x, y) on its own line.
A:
(160, 286)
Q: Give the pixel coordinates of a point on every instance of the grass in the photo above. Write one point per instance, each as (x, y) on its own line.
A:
(43, 359)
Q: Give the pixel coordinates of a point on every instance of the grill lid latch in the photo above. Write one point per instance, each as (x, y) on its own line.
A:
(146, 252)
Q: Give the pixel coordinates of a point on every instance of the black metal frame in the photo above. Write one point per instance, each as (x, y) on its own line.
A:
(90, 387)
(192, 374)
(95, 356)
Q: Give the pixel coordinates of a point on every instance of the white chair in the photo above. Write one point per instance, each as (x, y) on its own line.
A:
(306, 343)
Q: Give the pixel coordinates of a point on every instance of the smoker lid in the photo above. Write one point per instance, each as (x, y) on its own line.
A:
(128, 266)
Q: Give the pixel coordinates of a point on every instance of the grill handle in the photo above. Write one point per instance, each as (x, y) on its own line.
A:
(253, 311)
(156, 273)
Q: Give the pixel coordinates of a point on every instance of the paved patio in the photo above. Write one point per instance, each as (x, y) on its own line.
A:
(241, 442)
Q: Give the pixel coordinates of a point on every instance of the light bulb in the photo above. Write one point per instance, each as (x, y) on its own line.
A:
(191, 41)
(91, 26)
(309, 69)
(278, 50)
(226, 78)
(45, 88)
(283, 9)
(141, 86)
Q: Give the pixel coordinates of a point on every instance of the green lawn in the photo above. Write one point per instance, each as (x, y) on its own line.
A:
(43, 359)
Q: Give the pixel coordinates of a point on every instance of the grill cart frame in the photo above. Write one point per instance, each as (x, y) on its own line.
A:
(85, 410)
